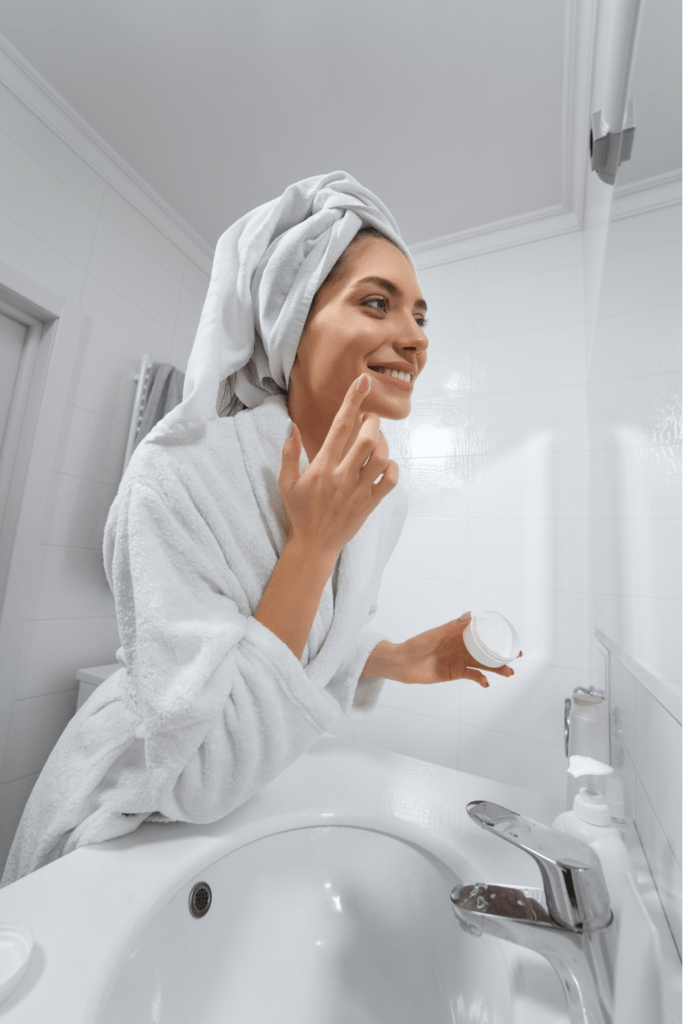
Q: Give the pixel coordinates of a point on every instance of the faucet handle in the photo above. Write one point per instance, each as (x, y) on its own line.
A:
(574, 885)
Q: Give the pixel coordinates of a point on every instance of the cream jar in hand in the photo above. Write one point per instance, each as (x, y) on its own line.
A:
(491, 639)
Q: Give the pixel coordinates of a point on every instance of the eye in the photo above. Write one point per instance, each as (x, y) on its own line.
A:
(384, 301)
(422, 322)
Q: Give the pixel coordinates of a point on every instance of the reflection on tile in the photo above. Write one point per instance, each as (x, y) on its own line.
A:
(649, 628)
(629, 413)
(623, 707)
(641, 279)
(644, 230)
(436, 486)
(434, 429)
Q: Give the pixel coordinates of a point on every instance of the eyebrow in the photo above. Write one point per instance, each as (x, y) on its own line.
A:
(392, 289)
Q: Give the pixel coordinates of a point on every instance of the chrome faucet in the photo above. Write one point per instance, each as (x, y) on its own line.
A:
(569, 921)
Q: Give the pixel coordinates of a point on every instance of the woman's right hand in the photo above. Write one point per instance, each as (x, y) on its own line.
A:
(331, 500)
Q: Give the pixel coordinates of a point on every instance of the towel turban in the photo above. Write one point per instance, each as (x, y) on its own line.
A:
(267, 268)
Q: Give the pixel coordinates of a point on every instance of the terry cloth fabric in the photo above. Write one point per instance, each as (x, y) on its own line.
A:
(209, 705)
(266, 270)
(164, 392)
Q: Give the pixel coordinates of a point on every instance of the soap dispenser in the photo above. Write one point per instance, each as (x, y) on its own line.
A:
(590, 820)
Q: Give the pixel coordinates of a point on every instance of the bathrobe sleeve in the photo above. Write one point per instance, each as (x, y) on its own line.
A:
(224, 704)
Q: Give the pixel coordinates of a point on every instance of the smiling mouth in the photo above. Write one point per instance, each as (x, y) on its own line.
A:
(404, 385)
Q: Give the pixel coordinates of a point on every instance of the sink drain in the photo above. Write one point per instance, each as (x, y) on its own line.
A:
(200, 899)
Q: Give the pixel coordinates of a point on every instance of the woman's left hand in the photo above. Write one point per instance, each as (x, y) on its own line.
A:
(440, 655)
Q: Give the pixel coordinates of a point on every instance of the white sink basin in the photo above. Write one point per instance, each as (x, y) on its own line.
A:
(327, 925)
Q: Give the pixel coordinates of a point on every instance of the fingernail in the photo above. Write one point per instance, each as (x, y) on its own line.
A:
(363, 384)
(465, 615)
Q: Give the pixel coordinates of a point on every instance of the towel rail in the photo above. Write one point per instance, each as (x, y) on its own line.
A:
(142, 379)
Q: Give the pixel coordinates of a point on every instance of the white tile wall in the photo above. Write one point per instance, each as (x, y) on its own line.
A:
(64, 226)
(645, 744)
(633, 406)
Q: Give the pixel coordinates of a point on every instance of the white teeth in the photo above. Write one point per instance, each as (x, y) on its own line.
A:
(395, 373)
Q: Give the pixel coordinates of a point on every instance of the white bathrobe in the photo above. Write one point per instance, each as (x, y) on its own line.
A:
(208, 705)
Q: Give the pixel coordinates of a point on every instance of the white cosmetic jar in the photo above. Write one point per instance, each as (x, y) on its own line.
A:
(491, 639)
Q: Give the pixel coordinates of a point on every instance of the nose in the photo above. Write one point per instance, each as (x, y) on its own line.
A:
(413, 337)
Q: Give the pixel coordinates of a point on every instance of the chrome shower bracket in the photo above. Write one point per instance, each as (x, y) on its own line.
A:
(609, 149)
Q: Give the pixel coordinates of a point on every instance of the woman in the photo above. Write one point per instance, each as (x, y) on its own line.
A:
(243, 582)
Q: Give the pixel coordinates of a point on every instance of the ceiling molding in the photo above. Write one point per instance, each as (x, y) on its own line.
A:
(568, 215)
(647, 195)
(45, 102)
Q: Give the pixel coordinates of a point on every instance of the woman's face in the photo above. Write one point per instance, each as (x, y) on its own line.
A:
(371, 317)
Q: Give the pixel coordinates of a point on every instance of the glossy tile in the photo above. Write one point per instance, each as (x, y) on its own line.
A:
(636, 483)
(33, 197)
(522, 421)
(103, 383)
(45, 147)
(39, 261)
(635, 412)
(436, 700)
(408, 607)
(641, 557)
(91, 446)
(35, 727)
(121, 328)
(180, 353)
(127, 269)
(623, 687)
(131, 223)
(529, 258)
(428, 739)
(515, 760)
(71, 585)
(13, 797)
(77, 511)
(530, 704)
(528, 485)
(189, 312)
(649, 628)
(644, 230)
(641, 279)
(430, 549)
(436, 486)
(446, 279)
(639, 343)
(666, 871)
(54, 650)
(539, 554)
(435, 429)
(658, 764)
(543, 358)
(529, 302)
(196, 279)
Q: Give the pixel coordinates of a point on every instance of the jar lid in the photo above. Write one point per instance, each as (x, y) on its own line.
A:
(491, 639)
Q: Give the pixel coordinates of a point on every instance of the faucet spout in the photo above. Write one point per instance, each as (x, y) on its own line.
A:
(569, 921)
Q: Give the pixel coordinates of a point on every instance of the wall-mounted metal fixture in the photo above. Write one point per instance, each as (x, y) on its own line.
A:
(613, 127)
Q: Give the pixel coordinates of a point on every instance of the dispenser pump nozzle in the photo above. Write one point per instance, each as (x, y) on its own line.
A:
(589, 805)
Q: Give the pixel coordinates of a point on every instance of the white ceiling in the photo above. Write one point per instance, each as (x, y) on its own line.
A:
(450, 110)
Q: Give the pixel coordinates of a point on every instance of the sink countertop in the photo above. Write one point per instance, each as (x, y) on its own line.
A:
(84, 909)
